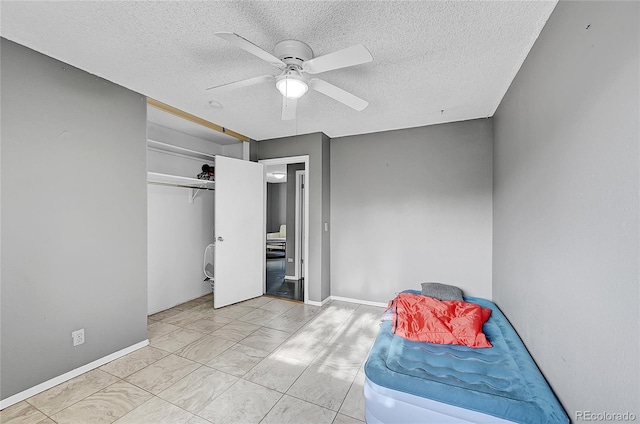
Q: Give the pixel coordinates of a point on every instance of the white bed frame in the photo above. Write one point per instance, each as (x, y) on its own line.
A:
(385, 406)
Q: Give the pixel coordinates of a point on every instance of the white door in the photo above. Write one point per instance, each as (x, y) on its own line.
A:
(240, 231)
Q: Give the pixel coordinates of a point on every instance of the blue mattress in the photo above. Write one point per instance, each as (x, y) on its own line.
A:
(501, 381)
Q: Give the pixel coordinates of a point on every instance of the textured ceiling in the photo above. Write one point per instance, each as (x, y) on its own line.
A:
(434, 61)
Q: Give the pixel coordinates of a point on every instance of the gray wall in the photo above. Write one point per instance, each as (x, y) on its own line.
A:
(74, 226)
(276, 206)
(566, 190)
(314, 146)
(326, 217)
(411, 206)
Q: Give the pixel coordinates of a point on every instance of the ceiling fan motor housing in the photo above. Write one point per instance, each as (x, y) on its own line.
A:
(293, 52)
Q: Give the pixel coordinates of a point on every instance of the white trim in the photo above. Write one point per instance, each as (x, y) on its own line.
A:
(18, 397)
(245, 151)
(314, 303)
(362, 302)
(298, 253)
(283, 161)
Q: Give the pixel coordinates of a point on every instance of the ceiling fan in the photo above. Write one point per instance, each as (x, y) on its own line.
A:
(295, 60)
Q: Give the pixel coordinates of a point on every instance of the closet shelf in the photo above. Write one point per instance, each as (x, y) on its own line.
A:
(178, 181)
(170, 148)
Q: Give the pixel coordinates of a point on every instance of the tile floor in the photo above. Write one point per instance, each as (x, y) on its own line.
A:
(265, 361)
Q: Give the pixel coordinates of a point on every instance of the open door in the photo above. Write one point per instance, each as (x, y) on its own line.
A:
(240, 231)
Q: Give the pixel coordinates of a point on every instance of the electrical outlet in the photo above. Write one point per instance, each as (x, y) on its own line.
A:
(290, 260)
(78, 337)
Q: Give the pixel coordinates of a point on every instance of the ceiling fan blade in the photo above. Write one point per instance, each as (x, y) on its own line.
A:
(288, 108)
(242, 83)
(338, 94)
(354, 55)
(248, 46)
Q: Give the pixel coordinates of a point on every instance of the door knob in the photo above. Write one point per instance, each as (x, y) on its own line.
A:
(220, 239)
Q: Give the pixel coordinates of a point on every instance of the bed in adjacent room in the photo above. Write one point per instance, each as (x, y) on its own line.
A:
(497, 381)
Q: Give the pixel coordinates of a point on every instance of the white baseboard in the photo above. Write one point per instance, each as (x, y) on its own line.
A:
(18, 397)
(362, 302)
(347, 299)
(314, 303)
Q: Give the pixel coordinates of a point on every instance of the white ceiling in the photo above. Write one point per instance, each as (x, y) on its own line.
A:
(434, 61)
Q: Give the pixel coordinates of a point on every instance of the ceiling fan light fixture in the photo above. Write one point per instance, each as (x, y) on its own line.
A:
(292, 86)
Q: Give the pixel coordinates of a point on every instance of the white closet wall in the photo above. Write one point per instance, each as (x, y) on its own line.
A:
(178, 231)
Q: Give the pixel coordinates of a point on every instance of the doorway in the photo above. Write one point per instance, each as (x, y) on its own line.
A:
(286, 217)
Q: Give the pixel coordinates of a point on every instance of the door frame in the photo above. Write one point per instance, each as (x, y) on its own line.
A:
(285, 161)
(300, 181)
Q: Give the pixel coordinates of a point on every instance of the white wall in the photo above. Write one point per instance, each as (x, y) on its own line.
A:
(566, 205)
(178, 231)
(412, 206)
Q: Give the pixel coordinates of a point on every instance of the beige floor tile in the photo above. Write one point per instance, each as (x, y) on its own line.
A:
(198, 389)
(163, 373)
(301, 347)
(244, 402)
(167, 313)
(258, 316)
(290, 410)
(323, 327)
(189, 316)
(341, 360)
(216, 318)
(197, 420)
(313, 354)
(277, 305)
(353, 404)
(344, 419)
(205, 349)
(159, 328)
(105, 406)
(327, 380)
(285, 323)
(303, 311)
(237, 360)
(276, 373)
(66, 394)
(265, 339)
(235, 330)
(176, 340)
(21, 413)
(133, 362)
(204, 326)
(233, 311)
(156, 411)
(256, 302)
(361, 328)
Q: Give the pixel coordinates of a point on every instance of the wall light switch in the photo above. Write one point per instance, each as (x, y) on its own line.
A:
(326, 226)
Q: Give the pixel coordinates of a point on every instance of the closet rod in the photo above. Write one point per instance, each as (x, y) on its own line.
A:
(179, 185)
(196, 119)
